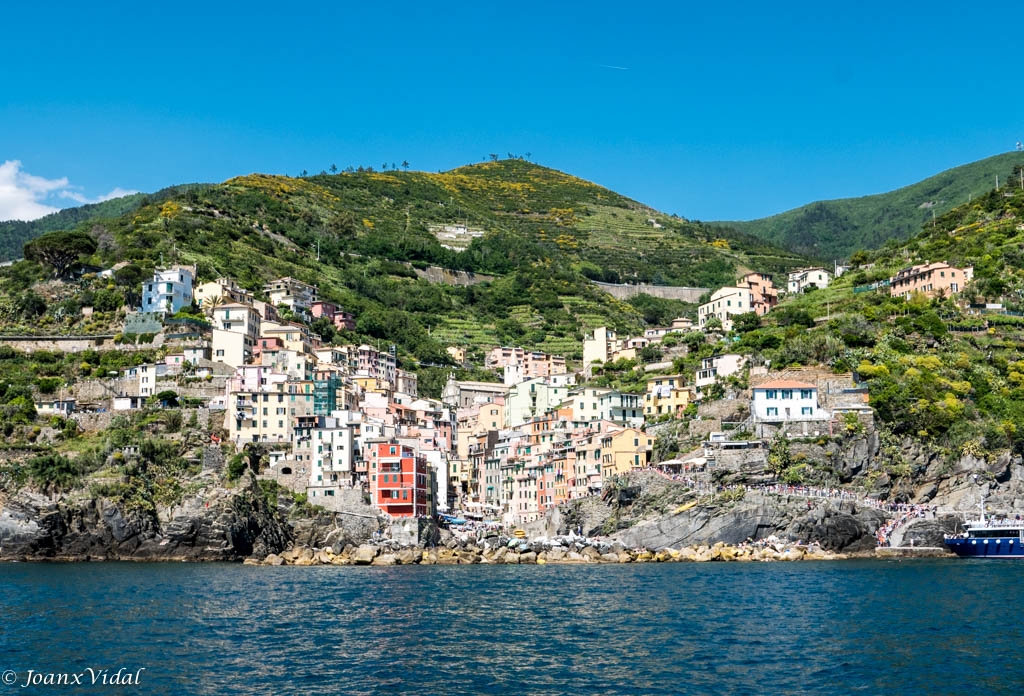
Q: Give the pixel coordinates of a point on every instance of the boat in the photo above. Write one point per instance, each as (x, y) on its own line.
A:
(989, 538)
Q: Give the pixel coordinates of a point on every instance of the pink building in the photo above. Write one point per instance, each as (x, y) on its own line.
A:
(341, 319)
(931, 279)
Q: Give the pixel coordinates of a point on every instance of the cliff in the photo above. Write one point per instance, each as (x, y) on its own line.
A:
(216, 522)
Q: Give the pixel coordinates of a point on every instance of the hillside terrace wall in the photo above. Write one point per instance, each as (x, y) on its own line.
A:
(66, 344)
(436, 274)
(93, 422)
(667, 292)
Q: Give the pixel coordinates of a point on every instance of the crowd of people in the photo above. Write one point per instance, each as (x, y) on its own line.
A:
(906, 512)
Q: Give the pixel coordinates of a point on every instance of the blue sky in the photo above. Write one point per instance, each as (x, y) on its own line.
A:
(729, 112)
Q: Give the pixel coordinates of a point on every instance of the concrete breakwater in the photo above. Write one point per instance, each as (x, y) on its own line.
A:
(516, 552)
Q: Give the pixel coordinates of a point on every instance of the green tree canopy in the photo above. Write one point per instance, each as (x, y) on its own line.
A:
(60, 250)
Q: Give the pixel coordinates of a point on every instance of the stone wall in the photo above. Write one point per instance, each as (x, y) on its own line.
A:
(436, 274)
(92, 422)
(793, 429)
(668, 292)
(65, 344)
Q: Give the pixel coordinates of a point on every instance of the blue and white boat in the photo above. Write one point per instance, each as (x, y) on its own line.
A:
(989, 538)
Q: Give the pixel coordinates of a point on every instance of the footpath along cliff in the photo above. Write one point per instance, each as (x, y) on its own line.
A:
(215, 519)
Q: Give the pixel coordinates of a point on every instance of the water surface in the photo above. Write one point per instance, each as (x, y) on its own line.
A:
(872, 627)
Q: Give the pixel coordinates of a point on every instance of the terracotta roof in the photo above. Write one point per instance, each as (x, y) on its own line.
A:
(785, 384)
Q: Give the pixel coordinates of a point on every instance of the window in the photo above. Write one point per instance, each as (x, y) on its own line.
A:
(806, 410)
(806, 394)
(772, 411)
(787, 393)
(771, 394)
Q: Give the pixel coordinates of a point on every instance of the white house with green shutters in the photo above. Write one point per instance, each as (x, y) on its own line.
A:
(784, 400)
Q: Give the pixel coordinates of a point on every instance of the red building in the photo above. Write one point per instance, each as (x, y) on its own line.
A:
(400, 481)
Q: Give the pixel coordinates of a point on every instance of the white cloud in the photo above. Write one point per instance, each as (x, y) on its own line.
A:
(21, 194)
(118, 192)
(24, 196)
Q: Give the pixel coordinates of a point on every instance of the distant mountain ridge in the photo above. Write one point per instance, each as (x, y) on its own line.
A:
(14, 233)
(834, 229)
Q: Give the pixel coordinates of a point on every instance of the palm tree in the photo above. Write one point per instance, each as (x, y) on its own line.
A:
(211, 304)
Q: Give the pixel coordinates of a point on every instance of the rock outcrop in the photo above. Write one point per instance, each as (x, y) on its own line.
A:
(214, 524)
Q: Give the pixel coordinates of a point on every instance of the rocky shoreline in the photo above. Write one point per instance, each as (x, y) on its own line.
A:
(540, 553)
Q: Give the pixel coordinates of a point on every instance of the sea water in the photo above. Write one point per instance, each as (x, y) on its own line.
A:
(870, 627)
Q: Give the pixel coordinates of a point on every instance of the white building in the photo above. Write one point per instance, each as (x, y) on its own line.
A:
(800, 280)
(292, 293)
(725, 303)
(331, 450)
(784, 400)
(168, 290)
(599, 347)
(236, 328)
(146, 376)
(591, 404)
(716, 367)
(532, 398)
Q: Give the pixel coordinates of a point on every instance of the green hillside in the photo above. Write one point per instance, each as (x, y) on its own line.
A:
(828, 230)
(938, 370)
(14, 233)
(360, 236)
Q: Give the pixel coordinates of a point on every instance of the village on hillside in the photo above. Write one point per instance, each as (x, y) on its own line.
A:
(343, 423)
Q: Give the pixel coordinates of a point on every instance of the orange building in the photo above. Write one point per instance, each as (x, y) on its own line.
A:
(931, 279)
(400, 482)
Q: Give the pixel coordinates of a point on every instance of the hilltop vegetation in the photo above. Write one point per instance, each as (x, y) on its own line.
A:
(828, 230)
(361, 235)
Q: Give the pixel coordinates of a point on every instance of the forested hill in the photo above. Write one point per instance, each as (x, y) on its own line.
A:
(828, 230)
(360, 236)
(14, 233)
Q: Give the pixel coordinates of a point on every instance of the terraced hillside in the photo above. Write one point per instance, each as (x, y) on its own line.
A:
(545, 234)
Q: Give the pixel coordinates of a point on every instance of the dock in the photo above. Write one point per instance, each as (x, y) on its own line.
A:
(913, 552)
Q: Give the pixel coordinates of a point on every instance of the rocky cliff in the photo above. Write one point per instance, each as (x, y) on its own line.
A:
(217, 522)
(649, 510)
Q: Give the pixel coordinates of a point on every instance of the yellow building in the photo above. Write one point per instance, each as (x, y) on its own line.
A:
(667, 395)
(623, 451)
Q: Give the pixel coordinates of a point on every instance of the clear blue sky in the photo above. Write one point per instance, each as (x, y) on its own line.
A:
(712, 111)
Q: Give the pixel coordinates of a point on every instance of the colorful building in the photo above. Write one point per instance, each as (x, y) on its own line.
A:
(400, 481)
(931, 280)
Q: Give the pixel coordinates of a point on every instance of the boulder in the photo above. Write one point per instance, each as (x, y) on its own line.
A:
(273, 560)
(304, 558)
(385, 559)
(364, 554)
(555, 554)
(409, 556)
(528, 557)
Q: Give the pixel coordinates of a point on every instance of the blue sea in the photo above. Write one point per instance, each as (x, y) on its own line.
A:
(855, 627)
